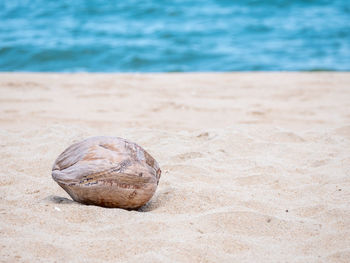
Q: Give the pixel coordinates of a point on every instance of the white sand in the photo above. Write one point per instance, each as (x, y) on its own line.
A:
(256, 167)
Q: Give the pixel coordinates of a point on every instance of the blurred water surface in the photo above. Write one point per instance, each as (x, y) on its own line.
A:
(177, 35)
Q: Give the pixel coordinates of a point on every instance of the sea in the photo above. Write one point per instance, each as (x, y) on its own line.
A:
(174, 36)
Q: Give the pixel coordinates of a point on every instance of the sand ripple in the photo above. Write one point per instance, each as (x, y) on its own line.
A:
(275, 189)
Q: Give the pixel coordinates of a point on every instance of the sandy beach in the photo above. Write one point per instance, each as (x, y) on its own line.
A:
(255, 167)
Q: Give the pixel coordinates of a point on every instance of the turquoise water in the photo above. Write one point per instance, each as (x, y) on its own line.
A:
(168, 36)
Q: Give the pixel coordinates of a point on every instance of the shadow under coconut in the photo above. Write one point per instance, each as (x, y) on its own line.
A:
(153, 204)
(59, 200)
(160, 199)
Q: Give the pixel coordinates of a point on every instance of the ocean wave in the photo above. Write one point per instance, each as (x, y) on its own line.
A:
(174, 36)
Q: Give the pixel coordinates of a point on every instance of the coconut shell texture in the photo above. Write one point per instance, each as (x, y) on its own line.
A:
(108, 172)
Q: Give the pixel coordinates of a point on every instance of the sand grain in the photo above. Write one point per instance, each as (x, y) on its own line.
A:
(256, 167)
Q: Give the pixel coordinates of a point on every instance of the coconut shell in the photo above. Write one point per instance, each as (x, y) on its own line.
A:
(108, 172)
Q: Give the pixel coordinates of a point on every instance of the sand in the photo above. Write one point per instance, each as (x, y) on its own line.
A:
(255, 167)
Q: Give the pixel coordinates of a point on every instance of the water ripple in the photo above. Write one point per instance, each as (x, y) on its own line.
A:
(166, 36)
